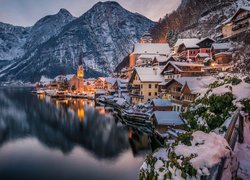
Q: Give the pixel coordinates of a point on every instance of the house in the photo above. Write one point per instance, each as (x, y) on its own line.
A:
(146, 51)
(223, 57)
(237, 24)
(191, 47)
(161, 105)
(164, 120)
(220, 47)
(104, 83)
(183, 91)
(175, 69)
(143, 83)
(90, 84)
(120, 86)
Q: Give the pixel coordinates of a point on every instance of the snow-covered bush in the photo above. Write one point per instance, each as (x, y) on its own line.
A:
(190, 157)
(210, 112)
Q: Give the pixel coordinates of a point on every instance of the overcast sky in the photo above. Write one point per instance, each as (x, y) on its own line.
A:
(27, 12)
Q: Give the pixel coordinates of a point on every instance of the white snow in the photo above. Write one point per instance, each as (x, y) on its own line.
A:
(152, 48)
(149, 74)
(168, 118)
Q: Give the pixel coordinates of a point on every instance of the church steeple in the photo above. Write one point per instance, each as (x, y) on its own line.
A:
(80, 69)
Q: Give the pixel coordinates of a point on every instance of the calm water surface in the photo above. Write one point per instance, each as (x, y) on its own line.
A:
(41, 138)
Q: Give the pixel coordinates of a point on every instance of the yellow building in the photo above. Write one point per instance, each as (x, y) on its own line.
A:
(143, 84)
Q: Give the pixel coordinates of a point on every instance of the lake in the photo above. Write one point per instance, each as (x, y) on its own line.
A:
(42, 138)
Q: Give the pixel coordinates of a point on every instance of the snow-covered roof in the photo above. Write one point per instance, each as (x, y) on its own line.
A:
(177, 64)
(152, 48)
(162, 58)
(168, 118)
(147, 56)
(202, 55)
(188, 42)
(161, 102)
(69, 76)
(223, 46)
(149, 74)
(196, 84)
(110, 80)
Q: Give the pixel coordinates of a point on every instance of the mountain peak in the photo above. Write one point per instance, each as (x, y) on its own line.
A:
(64, 12)
(108, 3)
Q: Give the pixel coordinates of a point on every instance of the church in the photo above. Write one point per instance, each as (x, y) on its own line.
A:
(76, 83)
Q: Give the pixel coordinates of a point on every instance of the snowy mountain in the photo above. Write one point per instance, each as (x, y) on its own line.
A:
(106, 34)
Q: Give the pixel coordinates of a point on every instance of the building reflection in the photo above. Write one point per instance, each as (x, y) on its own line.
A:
(65, 123)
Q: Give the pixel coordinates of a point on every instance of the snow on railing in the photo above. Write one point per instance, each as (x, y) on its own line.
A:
(234, 131)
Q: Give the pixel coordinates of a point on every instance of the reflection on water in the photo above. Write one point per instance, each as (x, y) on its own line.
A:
(47, 138)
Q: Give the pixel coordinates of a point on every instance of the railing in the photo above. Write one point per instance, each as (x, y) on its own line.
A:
(235, 130)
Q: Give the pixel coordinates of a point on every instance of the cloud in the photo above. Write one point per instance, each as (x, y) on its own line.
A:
(27, 12)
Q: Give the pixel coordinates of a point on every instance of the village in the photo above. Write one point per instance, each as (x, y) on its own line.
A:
(160, 82)
(168, 92)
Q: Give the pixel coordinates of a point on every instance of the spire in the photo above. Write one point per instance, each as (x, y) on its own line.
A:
(81, 58)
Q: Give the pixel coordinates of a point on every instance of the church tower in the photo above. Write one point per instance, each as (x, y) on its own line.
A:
(80, 69)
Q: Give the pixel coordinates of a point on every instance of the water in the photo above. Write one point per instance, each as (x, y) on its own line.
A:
(41, 138)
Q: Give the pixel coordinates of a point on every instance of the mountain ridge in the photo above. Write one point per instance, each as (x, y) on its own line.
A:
(105, 33)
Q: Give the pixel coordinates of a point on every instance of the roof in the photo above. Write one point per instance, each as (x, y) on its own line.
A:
(149, 74)
(188, 42)
(222, 46)
(168, 118)
(162, 58)
(147, 56)
(196, 84)
(177, 64)
(202, 55)
(152, 48)
(161, 102)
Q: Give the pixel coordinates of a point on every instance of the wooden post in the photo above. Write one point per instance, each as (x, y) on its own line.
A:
(241, 129)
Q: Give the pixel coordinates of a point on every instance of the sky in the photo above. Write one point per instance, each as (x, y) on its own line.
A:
(27, 12)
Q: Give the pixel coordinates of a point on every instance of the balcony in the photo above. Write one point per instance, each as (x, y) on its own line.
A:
(241, 18)
(239, 26)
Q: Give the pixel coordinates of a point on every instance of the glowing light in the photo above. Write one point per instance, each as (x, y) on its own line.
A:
(80, 114)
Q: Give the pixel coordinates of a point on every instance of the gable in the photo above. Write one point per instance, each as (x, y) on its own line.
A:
(206, 43)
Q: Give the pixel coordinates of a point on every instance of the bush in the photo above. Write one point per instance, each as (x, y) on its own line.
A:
(247, 80)
(214, 110)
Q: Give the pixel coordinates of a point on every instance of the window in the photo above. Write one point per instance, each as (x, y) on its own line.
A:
(149, 86)
(207, 51)
(149, 93)
(141, 86)
(155, 93)
(156, 86)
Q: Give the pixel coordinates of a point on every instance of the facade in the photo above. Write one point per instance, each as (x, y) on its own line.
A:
(179, 93)
(189, 48)
(175, 69)
(237, 24)
(143, 84)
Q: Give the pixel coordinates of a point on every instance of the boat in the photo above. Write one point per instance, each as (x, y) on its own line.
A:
(59, 95)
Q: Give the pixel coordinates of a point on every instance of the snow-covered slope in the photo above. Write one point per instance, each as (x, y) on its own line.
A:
(105, 34)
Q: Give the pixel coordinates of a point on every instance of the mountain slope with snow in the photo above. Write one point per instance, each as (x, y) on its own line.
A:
(106, 34)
